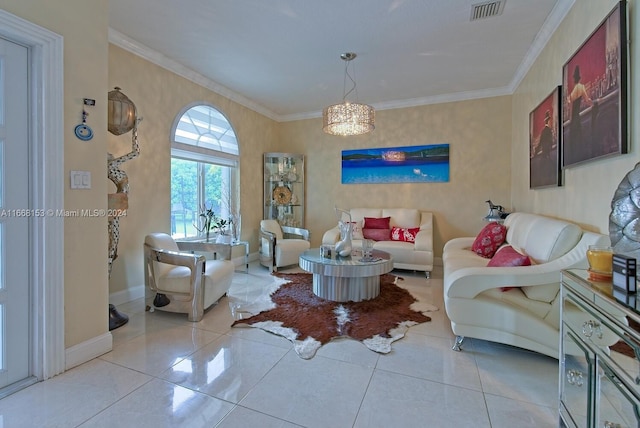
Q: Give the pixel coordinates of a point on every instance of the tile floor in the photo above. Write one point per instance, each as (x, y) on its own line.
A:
(164, 371)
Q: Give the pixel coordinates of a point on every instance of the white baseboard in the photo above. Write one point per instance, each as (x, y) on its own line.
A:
(124, 296)
(88, 350)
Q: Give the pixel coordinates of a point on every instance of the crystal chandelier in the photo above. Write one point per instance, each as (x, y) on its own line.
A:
(348, 118)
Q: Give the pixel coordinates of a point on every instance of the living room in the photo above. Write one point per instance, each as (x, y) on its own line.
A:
(488, 137)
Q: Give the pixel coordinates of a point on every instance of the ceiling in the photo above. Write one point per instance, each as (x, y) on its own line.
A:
(282, 57)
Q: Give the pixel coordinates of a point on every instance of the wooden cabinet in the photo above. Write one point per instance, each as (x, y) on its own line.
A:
(284, 189)
(599, 380)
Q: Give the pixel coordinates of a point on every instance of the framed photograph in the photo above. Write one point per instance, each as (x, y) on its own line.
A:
(594, 93)
(545, 169)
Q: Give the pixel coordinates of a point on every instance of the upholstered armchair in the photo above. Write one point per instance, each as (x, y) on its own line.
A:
(185, 282)
(281, 245)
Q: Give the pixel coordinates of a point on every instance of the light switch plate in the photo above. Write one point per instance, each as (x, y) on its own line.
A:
(80, 179)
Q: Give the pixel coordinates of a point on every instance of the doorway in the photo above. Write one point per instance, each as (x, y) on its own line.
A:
(42, 52)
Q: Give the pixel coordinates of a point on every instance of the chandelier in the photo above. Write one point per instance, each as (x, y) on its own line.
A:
(348, 118)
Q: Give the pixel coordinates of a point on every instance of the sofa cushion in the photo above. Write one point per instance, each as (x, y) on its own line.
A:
(377, 234)
(404, 234)
(542, 293)
(508, 256)
(542, 238)
(358, 214)
(403, 217)
(490, 238)
(376, 223)
(515, 296)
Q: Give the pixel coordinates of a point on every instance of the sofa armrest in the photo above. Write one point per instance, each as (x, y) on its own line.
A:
(424, 240)
(469, 282)
(458, 243)
(296, 231)
(331, 236)
(195, 263)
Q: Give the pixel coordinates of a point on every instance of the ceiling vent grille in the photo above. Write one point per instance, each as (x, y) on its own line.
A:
(487, 9)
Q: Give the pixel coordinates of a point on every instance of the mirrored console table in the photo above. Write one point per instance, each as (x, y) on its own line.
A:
(599, 379)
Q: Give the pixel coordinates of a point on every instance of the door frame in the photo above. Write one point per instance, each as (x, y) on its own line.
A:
(46, 155)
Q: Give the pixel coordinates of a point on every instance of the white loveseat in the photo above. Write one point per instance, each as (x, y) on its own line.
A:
(416, 255)
(527, 315)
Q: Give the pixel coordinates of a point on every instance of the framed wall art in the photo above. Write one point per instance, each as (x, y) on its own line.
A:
(407, 164)
(545, 168)
(594, 95)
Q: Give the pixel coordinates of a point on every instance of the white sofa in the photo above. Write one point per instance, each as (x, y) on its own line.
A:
(526, 316)
(416, 255)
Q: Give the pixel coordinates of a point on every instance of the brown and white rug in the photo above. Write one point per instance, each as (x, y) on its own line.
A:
(309, 321)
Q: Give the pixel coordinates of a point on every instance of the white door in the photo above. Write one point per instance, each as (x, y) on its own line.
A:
(15, 215)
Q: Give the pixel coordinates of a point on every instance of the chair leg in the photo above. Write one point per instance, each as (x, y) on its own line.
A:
(427, 274)
(458, 345)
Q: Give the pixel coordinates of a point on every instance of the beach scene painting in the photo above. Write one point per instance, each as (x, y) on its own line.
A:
(407, 164)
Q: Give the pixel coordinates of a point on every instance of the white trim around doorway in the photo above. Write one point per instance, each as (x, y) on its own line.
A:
(46, 145)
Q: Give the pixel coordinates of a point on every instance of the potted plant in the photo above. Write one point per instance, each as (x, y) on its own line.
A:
(220, 225)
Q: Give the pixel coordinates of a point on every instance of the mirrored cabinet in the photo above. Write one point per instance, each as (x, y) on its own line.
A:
(599, 354)
(284, 189)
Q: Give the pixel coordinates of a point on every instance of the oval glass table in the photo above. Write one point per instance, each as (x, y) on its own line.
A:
(345, 279)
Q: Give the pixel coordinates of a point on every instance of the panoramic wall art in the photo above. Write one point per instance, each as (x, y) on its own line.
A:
(544, 143)
(407, 164)
(594, 101)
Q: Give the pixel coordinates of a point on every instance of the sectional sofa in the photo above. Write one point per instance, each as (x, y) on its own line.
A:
(515, 305)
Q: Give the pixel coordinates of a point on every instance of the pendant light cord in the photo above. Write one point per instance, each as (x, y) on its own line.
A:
(353, 82)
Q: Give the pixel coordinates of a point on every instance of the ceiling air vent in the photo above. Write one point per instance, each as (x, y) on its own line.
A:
(487, 9)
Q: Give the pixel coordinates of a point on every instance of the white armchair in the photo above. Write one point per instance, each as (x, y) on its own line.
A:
(186, 282)
(277, 246)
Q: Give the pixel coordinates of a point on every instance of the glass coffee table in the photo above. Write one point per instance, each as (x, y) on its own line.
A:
(345, 279)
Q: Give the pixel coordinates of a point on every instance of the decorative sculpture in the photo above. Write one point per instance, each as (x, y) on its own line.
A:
(122, 119)
(119, 201)
(624, 220)
(343, 247)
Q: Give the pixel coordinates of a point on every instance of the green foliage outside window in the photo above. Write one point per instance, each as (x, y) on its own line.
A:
(187, 202)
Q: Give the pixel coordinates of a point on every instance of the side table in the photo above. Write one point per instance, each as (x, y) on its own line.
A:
(245, 244)
(212, 249)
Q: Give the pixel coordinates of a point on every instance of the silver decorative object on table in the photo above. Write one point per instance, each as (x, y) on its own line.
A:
(624, 220)
(344, 246)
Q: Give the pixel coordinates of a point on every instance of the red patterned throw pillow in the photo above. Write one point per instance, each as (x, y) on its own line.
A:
(377, 234)
(507, 256)
(376, 223)
(404, 234)
(489, 239)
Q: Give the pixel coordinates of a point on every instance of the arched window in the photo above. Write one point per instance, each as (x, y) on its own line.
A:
(204, 170)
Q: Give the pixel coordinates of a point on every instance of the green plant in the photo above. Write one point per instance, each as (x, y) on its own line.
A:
(208, 221)
(221, 224)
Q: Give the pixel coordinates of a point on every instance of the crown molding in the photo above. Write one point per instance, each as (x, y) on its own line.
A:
(551, 24)
(155, 57)
(416, 102)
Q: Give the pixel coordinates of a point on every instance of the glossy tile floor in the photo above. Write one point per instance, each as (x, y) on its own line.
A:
(164, 371)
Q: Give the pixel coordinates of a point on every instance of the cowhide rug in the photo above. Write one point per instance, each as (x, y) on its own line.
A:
(309, 321)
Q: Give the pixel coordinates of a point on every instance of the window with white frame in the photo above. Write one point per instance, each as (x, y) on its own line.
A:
(204, 170)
